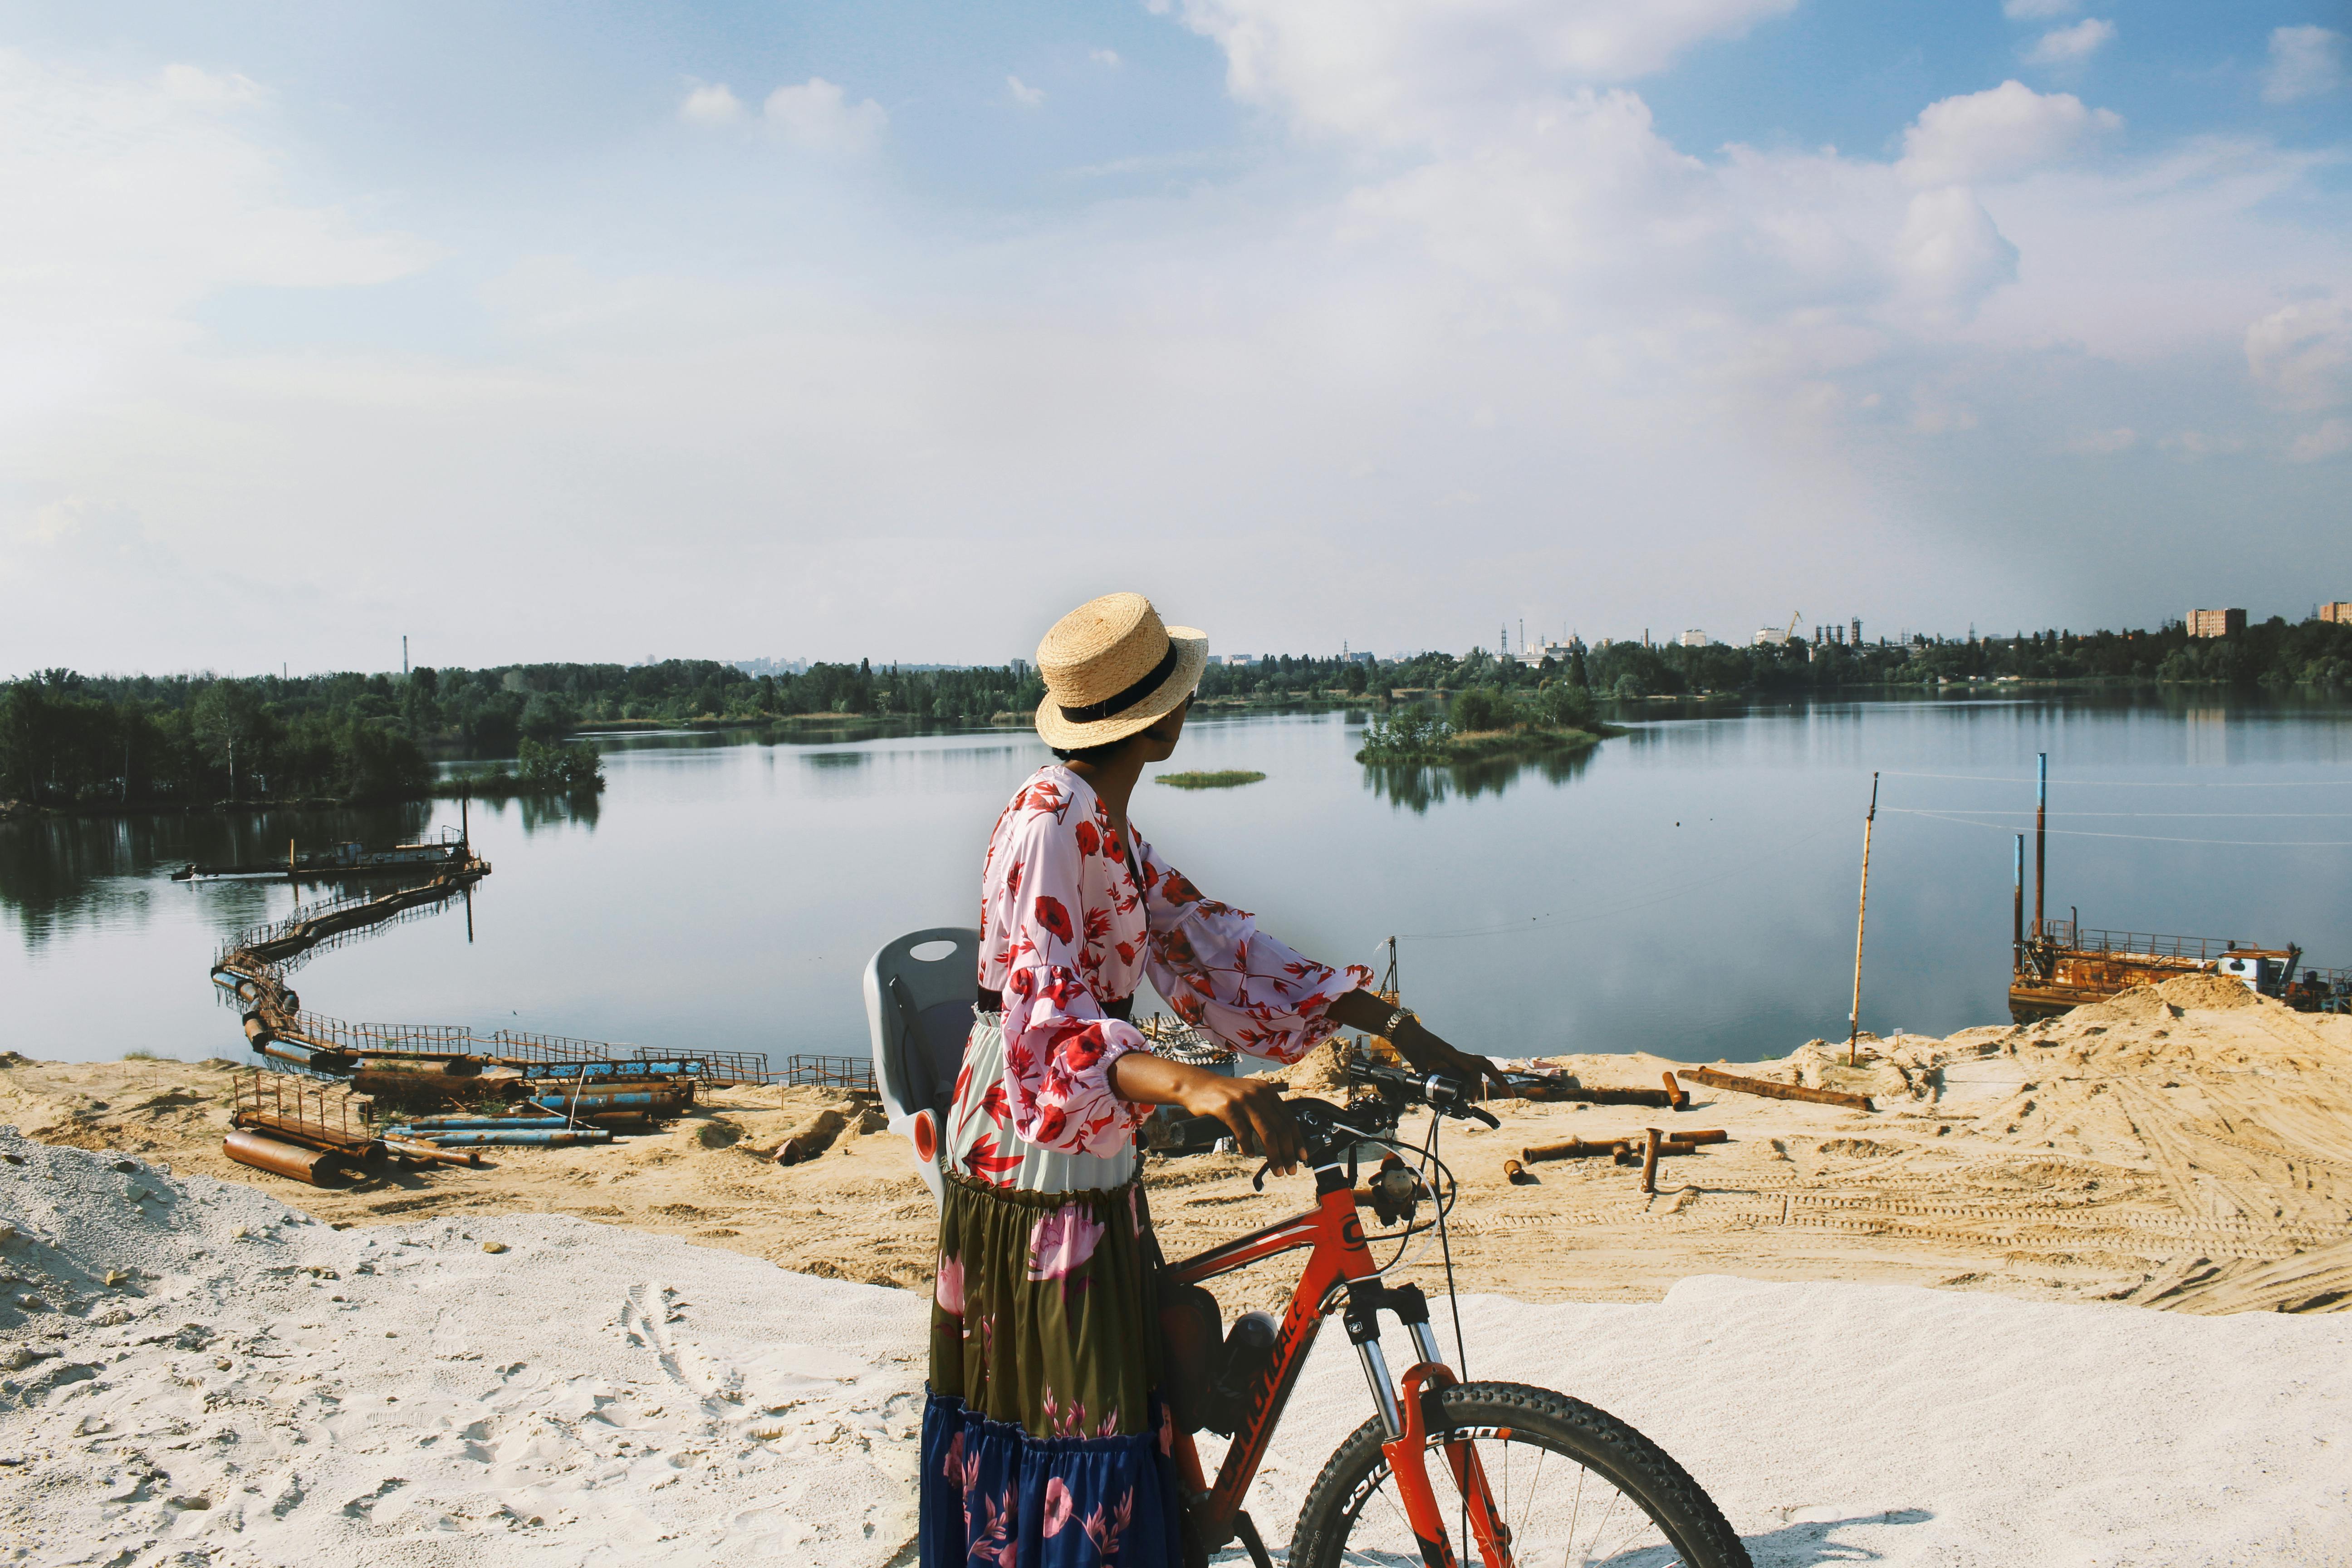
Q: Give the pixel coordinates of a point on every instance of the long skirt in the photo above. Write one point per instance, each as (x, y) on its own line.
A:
(1044, 1444)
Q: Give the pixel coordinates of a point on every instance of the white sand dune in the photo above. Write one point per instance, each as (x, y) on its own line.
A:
(298, 1395)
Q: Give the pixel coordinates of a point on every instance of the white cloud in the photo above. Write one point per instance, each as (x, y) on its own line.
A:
(2305, 62)
(2303, 354)
(1106, 57)
(1399, 70)
(710, 103)
(2036, 10)
(1807, 367)
(2334, 437)
(131, 199)
(1949, 252)
(817, 114)
(1023, 93)
(1998, 134)
(2071, 45)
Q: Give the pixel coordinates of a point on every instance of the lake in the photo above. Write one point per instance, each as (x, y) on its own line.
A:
(1688, 889)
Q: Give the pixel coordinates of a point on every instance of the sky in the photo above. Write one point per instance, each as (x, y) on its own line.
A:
(894, 330)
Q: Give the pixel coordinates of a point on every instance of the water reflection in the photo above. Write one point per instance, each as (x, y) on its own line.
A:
(64, 873)
(1695, 895)
(1417, 787)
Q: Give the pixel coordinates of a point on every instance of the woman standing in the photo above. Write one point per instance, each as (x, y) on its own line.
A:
(1044, 1442)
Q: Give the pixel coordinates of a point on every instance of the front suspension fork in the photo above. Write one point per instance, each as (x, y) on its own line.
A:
(1409, 1420)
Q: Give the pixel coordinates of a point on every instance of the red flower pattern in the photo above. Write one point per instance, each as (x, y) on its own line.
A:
(1208, 959)
(1053, 916)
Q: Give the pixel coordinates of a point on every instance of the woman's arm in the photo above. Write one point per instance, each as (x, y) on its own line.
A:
(1219, 973)
(1251, 1108)
(1363, 1010)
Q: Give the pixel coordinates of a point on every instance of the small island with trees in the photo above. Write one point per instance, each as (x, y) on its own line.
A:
(1225, 778)
(1487, 723)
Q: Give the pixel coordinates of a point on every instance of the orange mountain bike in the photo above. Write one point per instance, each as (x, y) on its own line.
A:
(1525, 1475)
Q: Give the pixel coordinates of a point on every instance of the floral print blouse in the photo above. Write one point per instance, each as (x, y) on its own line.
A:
(1064, 928)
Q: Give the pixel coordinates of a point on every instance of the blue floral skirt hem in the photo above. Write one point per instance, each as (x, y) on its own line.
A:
(992, 1495)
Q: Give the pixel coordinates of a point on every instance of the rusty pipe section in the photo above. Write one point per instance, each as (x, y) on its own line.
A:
(408, 1149)
(1634, 1151)
(1772, 1091)
(357, 1147)
(1676, 1142)
(320, 1167)
(1570, 1149)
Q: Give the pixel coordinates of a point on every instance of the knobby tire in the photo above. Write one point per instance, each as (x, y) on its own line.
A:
(1535, 1418)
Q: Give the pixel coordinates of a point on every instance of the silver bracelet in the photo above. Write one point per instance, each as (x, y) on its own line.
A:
(1388, 1030)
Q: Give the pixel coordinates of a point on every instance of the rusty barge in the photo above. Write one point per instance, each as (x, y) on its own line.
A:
(2056, 965)
(448, 851)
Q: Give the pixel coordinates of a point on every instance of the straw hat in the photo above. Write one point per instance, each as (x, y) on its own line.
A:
(1111, 668)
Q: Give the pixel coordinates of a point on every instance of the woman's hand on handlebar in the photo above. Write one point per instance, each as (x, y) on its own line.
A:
(1251, 1108)
(1420, 1046)
(1254, 1108)
(1414, 1042)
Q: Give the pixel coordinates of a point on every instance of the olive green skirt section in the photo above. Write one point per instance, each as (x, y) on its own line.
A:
(1043, 1313)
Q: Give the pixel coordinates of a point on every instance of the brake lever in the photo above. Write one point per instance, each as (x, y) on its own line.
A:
(1481, 1113)
(1257, 1183)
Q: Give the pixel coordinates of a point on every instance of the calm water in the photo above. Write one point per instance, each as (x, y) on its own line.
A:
(1688, 889)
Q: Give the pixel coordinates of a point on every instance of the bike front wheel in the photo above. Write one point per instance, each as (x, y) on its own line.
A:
(1575, 1486)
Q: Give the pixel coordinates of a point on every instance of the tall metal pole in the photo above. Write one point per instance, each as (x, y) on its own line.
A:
(1860, 913)
(2041, 833)
(2017, 914)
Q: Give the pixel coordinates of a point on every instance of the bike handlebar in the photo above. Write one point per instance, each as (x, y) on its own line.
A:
(1447, 1096)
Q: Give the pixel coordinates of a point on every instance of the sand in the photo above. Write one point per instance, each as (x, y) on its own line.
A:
(255, 1388)
(258, 1387)
(683, 1346)
(2189, 1149)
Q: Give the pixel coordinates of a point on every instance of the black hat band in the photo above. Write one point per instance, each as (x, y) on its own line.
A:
(1095, 712)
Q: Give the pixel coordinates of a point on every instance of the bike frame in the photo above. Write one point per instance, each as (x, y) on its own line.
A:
(1340, 1267)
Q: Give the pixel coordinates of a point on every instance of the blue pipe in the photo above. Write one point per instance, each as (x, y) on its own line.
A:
(673, 1068)
(480, 1123)
(604, 1101)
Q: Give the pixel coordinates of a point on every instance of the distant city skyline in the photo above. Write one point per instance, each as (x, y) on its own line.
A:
(563, 332)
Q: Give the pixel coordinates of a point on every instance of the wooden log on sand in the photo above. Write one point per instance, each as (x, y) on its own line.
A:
(1770, 1090)
(811, 1137)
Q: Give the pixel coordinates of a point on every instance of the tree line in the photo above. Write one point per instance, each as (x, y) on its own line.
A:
(73, 739)
(68, 739)
(2274, 653)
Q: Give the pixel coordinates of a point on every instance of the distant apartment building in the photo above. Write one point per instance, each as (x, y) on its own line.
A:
(2215, 623)
(2340, 612)
(1692, 638)
(1771, 637)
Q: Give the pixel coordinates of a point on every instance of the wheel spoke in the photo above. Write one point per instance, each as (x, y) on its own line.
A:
(1543, 1517)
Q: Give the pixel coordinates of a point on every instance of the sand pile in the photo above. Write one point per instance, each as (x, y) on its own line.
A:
(254, 1386)
(2152, 1149)
(260, 1389)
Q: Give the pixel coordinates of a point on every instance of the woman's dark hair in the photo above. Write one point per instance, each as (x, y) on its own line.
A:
(1095, 756)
